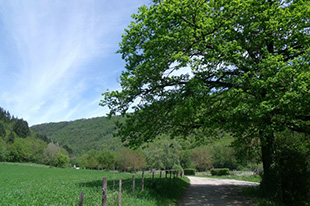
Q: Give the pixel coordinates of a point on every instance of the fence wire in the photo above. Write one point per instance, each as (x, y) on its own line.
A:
(163, 174)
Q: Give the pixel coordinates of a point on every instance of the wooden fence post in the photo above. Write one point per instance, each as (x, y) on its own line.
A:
(166, 173)
(113, 184)
(142, 183)
(120, 193)
(160, 175)
(170, 174)
(133, 186)
(81, 199)
(152, 174)
(104, 192)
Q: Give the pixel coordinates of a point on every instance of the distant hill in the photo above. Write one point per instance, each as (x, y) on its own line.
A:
(83, 135)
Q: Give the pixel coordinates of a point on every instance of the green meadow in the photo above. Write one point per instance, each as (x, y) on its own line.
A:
(31, 184)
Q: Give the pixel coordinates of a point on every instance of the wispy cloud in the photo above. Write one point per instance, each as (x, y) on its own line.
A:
(56, 56)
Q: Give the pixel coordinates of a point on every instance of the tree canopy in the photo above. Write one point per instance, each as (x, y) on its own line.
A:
(240, 65)
(247, 66)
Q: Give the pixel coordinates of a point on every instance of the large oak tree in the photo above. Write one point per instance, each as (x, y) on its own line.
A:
(239, 65)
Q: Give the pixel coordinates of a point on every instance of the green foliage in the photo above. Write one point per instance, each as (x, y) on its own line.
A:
(83, 135)
(20, 151)
(20, 144)
(4, 153)
(2, 130)
(106, 160)
(61, 160)
(291, 169)
(130, 160)
(11, 137)
(241, 77)
(162, 154)
(177, 168)
(50, 153)
(201, 158)
(21, 128)
(89, 160)
(5, 115)
(185, 159)
(219, 171)
(98, 160)
(189, 171)
(198, 65)
(223, 155)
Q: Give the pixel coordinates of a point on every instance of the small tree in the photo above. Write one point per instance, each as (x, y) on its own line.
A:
(90, 160)
(106, 160)
(186, 159)
(61, 160)
(163, 154)
(130, 160)
(20, 151)
(21, 128)
(50, 153)
(223, 154)
(201, 158)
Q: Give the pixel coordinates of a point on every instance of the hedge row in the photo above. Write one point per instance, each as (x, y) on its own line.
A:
(219, 171)
(189, 171)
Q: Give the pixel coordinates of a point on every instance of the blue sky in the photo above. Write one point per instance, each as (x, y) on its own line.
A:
(58, 56)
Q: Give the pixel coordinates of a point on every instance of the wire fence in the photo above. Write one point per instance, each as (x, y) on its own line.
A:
(125, 186)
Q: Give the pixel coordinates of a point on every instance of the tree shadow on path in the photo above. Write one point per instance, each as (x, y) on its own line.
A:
(215, 195)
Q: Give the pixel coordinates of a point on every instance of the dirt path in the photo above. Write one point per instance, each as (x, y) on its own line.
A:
(215, 192)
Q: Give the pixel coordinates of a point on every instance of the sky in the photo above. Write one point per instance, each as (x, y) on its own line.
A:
(58, 56)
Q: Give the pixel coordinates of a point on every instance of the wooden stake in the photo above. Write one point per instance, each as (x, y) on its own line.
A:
(104, 192)
(142, 183)
(120, 193)
(133, 186)
(81, 199)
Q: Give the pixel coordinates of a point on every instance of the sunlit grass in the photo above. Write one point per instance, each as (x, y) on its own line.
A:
(37, 185)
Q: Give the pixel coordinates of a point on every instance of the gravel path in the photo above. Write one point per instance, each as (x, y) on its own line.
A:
(215, 192)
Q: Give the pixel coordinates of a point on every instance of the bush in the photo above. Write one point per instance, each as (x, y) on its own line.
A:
(61, 160)
(177, 168)
(219, 172)
(189, 171)
(201, 158)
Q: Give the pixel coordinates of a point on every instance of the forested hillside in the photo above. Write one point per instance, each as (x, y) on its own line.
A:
(82, 135)
(93, 145)
(19, 143)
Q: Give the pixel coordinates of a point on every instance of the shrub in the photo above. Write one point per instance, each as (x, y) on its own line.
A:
(189, 171)
(220, 172)
(61, 160)
(201, 157)
(177, 168)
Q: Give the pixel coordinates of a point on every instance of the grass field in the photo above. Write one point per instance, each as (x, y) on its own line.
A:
(39, 185)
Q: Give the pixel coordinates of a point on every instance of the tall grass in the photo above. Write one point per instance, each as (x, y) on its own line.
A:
(34, 185)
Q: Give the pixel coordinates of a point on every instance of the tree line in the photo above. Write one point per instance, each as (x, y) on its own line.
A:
(18, 143)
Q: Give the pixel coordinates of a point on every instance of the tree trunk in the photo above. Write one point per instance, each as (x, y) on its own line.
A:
(270, 187)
